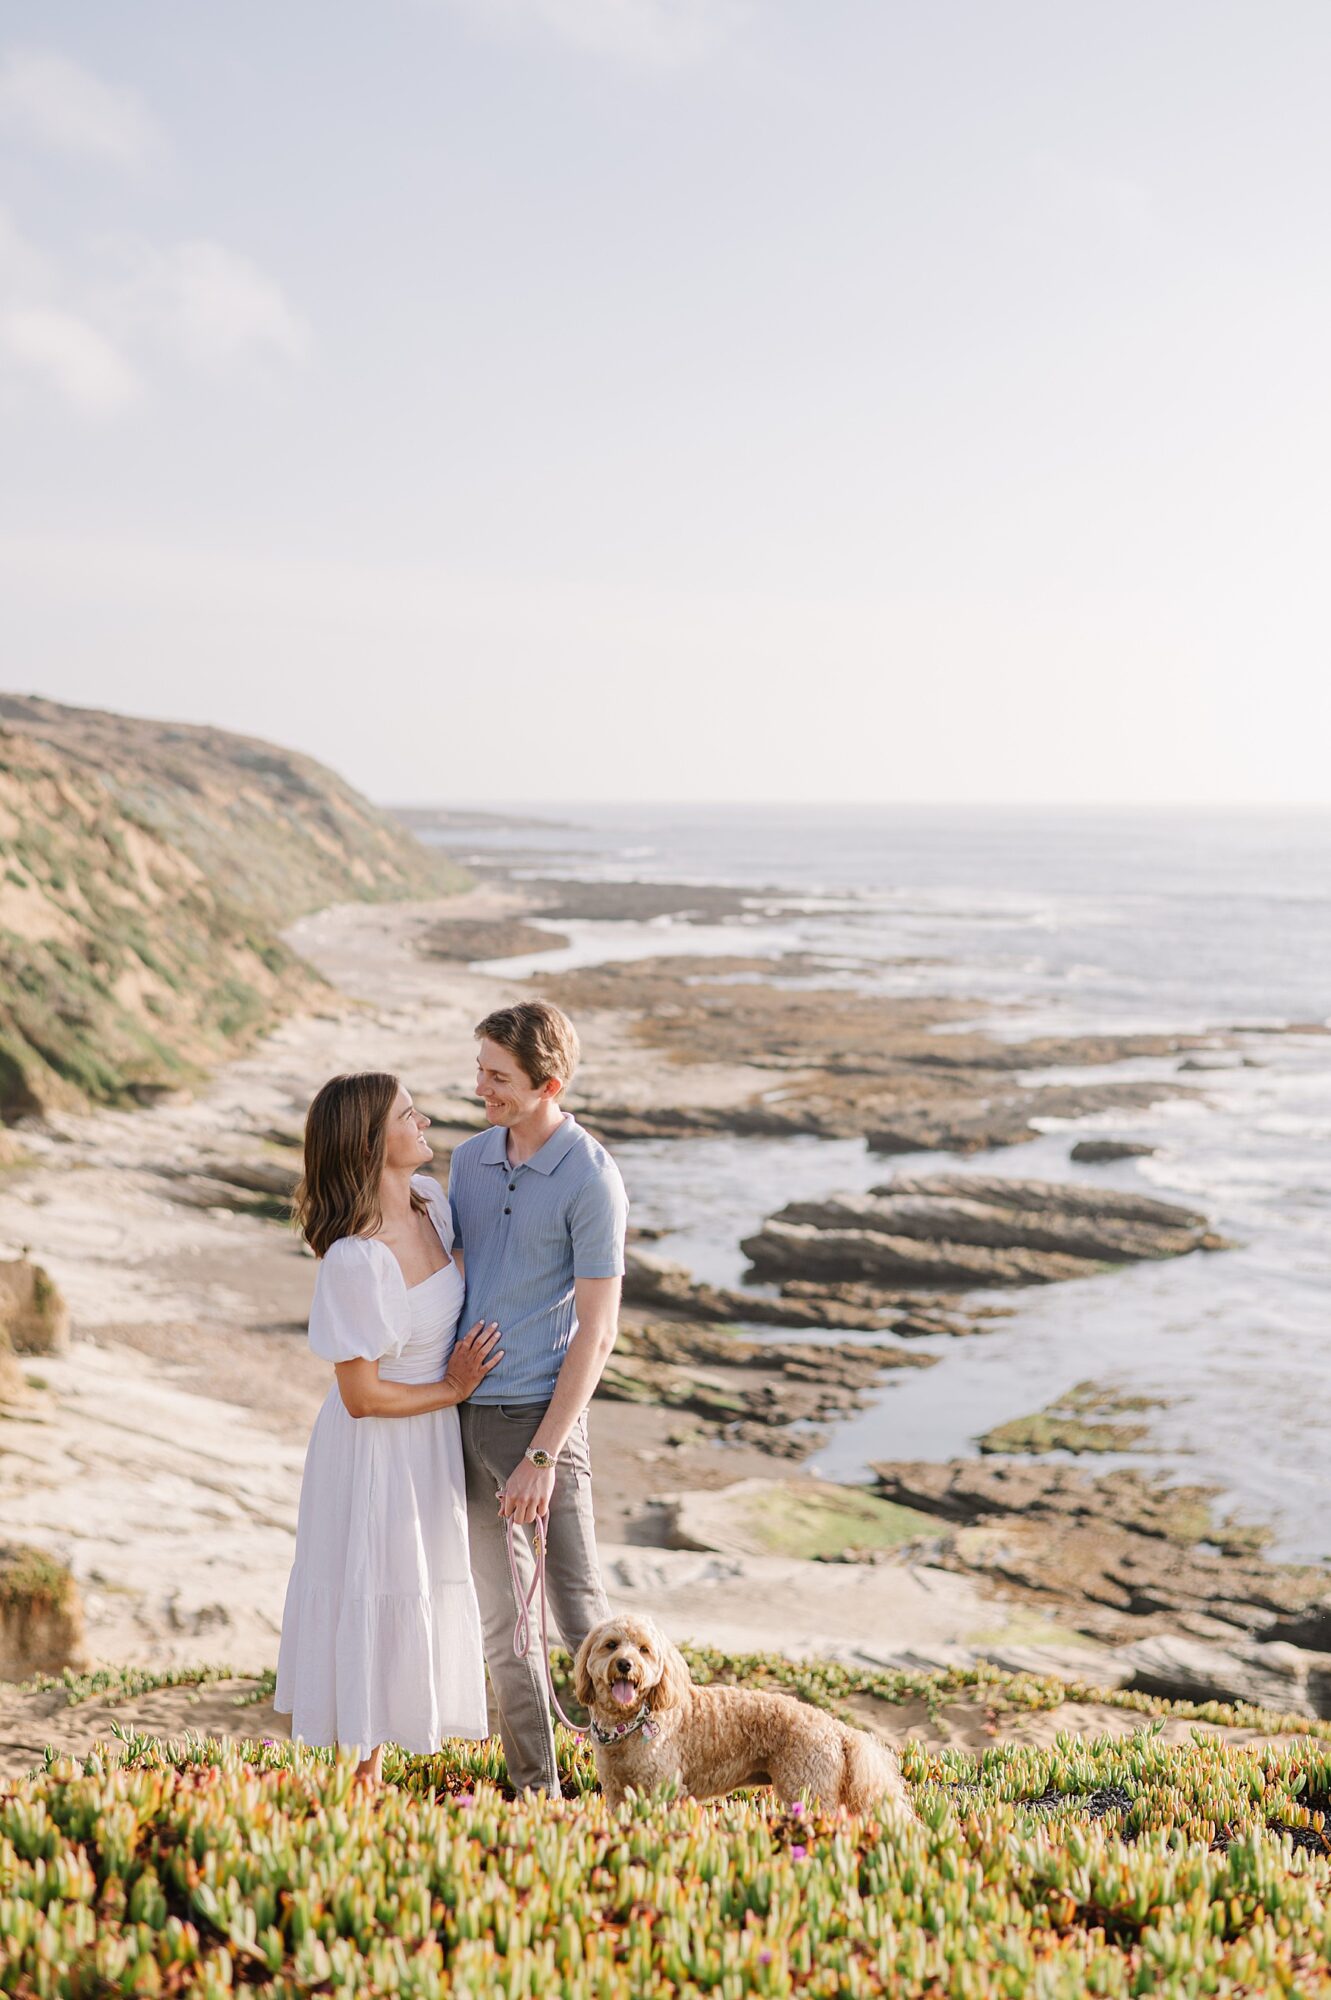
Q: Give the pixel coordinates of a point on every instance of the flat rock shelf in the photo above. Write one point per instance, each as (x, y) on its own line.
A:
(957, 1230)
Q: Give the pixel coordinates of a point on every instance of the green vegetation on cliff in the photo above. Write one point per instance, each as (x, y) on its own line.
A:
(146, 869)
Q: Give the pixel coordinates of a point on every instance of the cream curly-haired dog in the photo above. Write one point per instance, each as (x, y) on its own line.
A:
(652, 1724)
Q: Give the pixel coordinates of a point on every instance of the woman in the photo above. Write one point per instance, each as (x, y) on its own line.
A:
(381, 1636)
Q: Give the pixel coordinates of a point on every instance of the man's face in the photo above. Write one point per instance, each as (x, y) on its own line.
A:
(508, 1092)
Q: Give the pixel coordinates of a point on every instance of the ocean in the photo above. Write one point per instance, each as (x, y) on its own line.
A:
(1054, 921)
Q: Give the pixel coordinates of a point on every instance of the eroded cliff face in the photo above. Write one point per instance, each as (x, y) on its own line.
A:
(146, 869)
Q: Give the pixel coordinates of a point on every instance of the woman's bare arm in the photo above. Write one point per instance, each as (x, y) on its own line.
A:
(365, 1394)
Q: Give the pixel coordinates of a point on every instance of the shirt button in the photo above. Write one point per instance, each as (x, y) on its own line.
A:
(508, 1211)
(512, 1187)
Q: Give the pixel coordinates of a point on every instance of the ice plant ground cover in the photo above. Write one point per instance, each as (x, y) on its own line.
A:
(1113, 1866)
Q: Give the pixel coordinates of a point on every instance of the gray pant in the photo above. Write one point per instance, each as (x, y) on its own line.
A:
(494, 1437)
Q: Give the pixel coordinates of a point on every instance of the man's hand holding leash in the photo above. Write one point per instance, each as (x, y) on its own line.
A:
(526, 1494)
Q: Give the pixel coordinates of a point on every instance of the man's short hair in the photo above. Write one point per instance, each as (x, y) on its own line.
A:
(542, 1040)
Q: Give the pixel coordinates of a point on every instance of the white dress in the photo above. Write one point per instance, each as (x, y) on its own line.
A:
(381, 1636)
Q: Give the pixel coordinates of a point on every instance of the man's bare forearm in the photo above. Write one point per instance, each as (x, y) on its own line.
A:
(582, 1369)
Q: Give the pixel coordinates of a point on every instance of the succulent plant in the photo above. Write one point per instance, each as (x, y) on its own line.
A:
(1117, 1866)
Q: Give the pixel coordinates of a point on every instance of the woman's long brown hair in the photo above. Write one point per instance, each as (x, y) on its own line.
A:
(346, 1128)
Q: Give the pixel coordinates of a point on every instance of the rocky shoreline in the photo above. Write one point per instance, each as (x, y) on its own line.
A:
(192, 1280)
(1185, 1599)
(1126, 1559)
(746, 1391)
(1138, 1583)
(905, 1074)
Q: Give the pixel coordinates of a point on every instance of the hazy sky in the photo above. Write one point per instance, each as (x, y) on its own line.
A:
(504, 399)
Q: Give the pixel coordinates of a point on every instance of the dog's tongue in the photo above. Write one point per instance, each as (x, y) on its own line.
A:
(624, 1693)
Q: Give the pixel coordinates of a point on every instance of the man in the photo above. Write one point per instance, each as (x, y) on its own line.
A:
(539, 1212)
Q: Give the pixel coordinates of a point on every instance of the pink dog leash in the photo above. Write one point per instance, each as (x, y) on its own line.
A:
(522, 1631)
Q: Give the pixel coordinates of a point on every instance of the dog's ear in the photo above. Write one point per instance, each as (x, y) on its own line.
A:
(676, 1680)
(583, 1686)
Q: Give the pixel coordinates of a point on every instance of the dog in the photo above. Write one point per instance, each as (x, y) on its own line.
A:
(651, 1724)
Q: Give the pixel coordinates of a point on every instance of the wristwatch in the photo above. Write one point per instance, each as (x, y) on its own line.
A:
(542, 1460)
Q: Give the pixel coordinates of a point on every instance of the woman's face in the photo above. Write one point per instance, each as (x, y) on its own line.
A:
(405, 1143)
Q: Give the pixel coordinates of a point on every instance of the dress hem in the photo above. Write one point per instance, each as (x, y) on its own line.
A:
(409, 1749)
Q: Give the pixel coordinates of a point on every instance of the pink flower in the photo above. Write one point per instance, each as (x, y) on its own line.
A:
(798, 1853)
(797, 1809)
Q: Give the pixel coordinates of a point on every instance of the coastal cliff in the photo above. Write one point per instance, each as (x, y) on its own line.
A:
(146, 871)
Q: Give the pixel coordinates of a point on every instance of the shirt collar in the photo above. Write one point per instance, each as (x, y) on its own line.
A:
(545, 1160)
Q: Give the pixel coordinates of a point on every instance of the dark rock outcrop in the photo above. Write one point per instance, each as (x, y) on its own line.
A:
(1267, 1673)
(1125, 1555)
(755, 1391)
(34, 1318)
(466, 939)
(657, 1283)
(41, 1615)
(640, 902)
(956, 1230)
(1099, 1152)
(1003, 1117)
(1088, 1417)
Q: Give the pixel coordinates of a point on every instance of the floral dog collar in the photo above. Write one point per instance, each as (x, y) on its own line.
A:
(642, 1721)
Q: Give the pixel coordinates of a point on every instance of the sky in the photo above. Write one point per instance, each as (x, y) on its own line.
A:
(530, 400)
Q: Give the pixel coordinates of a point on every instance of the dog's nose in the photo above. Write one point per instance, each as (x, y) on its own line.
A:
(622, 1667)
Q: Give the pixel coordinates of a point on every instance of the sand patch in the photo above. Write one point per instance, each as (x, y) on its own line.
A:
(973, 1722)
(30, 1721)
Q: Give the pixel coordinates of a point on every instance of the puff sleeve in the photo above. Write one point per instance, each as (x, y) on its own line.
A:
(359, 1311)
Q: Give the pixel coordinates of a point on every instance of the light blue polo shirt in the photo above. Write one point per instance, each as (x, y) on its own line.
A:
(526, 1234)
